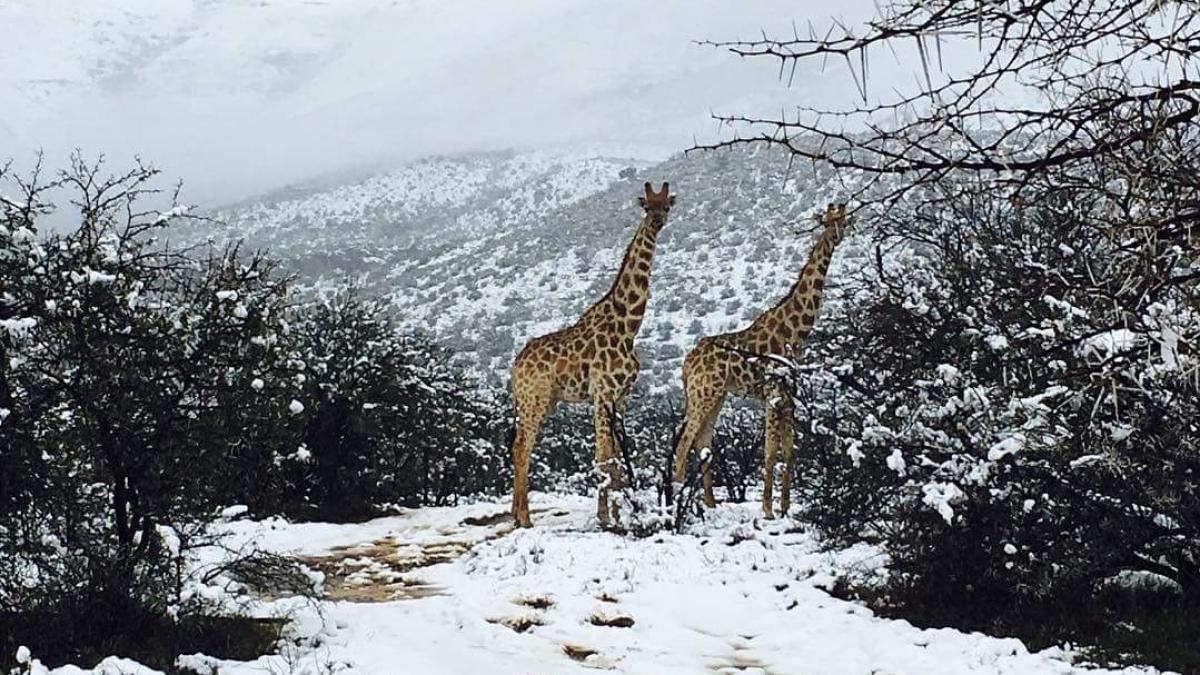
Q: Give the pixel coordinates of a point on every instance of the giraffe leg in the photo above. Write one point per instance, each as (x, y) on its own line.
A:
(787, 441)
(701, 408)
(710, 500)
(771, 443)
(607, 459)
(705, 440)
(622, 405)
(531, 413)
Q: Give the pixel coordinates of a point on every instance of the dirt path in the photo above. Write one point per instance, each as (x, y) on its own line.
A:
(387, 568)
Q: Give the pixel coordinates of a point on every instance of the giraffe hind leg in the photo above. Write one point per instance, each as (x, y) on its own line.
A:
(531, 413)
(770, 446)
(700, 414)
(787, 442)
(696, 413)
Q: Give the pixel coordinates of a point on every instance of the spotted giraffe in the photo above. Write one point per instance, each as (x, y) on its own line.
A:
(592, 360)
(738, 363)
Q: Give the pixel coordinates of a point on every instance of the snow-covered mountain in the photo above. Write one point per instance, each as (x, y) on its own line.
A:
(485, 251)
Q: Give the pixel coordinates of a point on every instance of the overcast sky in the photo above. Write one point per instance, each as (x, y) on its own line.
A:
(240, 96)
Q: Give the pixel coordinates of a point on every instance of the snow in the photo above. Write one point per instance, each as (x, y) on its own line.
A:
(854, 452)
(92, 276)
(173, 212)
(1085, 460)
(736, 594)
(1110, 342)
(17, 327)
(231, 512)
(1120, 432)
(996, 343)
(1005, 447)
(1169, 347)
(296, 407)
(942, 497)
(948, 373)
(109, 666)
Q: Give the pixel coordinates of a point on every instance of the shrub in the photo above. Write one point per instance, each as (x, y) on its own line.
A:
(125, 374)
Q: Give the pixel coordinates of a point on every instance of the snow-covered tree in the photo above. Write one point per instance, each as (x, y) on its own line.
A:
(1008, 401)
(127, 378)
(388, 416)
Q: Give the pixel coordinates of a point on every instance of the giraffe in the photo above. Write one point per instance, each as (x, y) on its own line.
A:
(726, 364)
(593, 360)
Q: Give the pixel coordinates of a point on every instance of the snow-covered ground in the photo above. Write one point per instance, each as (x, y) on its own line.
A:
(443, 591)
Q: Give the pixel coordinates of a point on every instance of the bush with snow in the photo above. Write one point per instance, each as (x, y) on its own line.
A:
(1009, 403)
(387, 417)
(129, 414)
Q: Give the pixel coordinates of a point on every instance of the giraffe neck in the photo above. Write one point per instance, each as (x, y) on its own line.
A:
(790, 321)
(626, 300)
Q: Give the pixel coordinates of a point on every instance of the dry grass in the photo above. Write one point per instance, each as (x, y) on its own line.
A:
(611, 620)
(519, 624)
(535, 601)
(578, 653)
(380, 571)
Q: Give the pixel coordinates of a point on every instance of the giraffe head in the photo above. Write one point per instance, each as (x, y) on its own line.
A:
(834, 215)
(657, 204)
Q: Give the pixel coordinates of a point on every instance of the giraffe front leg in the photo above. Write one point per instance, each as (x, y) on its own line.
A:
(787, 441)
(607, 460)
(683, 446)
(705, 441)
(770, 443)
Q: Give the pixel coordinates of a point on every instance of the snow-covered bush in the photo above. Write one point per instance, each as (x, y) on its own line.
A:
(126, 371)
(739, 464)
(386, 417)
(1008, 402)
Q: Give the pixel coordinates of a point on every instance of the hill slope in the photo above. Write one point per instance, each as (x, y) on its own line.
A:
(485, 251)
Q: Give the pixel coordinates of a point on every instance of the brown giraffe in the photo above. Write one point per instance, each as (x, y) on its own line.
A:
(592, 360)
(722, 364)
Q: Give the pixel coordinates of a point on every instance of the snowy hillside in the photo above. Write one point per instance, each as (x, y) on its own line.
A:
(486, 251)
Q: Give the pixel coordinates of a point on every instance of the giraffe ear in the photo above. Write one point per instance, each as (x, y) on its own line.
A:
(671, 200)
(642, 202)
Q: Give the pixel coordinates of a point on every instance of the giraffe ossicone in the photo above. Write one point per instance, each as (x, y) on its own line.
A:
(592, 360)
